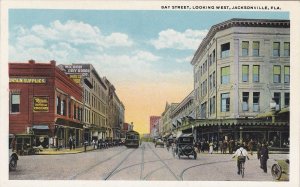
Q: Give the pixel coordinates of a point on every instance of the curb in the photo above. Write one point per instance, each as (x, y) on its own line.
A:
(63, 153)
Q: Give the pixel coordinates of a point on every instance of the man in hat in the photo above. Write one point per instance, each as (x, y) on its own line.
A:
(241, 153)
(264, 156)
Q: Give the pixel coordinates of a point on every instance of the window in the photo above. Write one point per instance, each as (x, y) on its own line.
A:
(214, 56)
(286, 48)
(203, 110)
(245, 48)
(214, 79)
(286, 99)
(225, 48)
(74, 112)
(245, 101)
(205, 66)
(210, 60)
(277, 100)
(255, 48)
(245, 73)
(210, 82)
(63, 107)
(256, 101)
(225, 75)
(276, 74)
(58, 105)
(286, 74)
(212, 105)
(225, 102)
(276, 49)
(255, 73)
(15, 103)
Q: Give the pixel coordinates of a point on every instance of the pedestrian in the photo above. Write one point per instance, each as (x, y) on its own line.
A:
(211, 148)
(231, 146)
(221, 146)
(74, 142)
(264, 156)
(241, 154)
(70, 142)
(225, 143)
(13, 144)
(258, 150)
(250, 146)
(94, 143)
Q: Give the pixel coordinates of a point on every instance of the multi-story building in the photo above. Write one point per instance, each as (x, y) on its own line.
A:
(184, 109)
(242, 66)
(95, 94)
(115, 112)
(166, 118)
(152, 127)
(46, 103)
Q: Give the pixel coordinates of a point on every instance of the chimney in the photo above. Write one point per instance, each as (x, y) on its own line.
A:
(31, 61)
(53, 62)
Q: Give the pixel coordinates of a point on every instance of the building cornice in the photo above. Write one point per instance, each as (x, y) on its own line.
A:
(236, 22)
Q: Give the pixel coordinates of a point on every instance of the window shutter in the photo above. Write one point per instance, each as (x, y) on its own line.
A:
(275, 45)
(245, 45)
(286, 70)
(255, 69)
(287, 45)
(15, 99)
(255, 45)
(276, 69)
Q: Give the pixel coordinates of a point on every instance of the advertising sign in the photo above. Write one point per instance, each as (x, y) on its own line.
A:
(83, 70)
(27, 80)
(40, 104)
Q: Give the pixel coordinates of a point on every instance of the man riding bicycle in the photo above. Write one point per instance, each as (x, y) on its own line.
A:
(241, 154)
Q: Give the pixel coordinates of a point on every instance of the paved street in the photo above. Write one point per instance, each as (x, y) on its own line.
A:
(144, 163)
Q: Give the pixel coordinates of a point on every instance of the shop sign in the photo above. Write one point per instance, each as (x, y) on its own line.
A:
(27, 80)
(78, 69)
(40, 104)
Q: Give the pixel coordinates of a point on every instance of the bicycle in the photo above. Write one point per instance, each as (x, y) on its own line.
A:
(242, 169)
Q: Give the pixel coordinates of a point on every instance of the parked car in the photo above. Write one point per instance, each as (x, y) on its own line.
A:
(159, 142)
(13, 160)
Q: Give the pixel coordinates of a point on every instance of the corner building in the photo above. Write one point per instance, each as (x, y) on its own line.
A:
(242, 66)
(44, 103)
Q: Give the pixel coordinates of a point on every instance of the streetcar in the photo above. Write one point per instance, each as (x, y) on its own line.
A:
(132, 139)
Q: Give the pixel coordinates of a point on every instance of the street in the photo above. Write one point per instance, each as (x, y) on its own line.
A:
(144, 163)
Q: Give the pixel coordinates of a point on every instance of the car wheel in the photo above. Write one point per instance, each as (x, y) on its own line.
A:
(13, 164)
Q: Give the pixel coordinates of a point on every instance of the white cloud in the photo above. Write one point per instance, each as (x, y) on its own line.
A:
(30, 41)
(78, 33)
(187, 40)
(184, 60)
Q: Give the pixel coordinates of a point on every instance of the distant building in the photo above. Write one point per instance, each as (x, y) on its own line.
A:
(153, 121)
(166, 118)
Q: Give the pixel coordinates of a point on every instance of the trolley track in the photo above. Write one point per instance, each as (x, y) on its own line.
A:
(164, 165)
(118, 165)
(197, 165)
(97, 164)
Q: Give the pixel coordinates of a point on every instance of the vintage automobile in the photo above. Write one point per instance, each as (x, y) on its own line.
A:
(184, 146)
(13, 160)
(159, 142)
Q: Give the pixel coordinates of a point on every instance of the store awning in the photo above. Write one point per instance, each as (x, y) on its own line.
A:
(40, 127)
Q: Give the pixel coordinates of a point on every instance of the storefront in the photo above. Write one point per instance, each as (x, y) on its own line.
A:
(275, 134)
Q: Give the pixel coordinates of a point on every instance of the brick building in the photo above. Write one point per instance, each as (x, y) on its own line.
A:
(45, 102)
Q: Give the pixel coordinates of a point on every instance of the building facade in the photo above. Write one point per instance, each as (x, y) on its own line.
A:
(95, 99)
(115, 112)
(242, 66)
(184, 109)
(46, 103)
(166, 119)
(153, 125)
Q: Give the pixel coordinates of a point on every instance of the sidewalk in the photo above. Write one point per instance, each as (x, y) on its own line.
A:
(54, 151)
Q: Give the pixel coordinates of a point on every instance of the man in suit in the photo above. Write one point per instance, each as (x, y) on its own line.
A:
(264, 156)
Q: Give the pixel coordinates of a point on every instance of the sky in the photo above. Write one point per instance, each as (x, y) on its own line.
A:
(145, 54)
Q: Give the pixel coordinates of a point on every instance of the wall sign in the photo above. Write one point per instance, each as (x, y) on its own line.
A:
(27, 80)
(40, 104)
